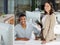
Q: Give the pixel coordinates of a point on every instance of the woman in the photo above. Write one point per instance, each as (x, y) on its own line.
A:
(48, 23)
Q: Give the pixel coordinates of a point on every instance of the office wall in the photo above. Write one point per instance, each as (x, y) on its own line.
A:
(1, 5)
(10, 6)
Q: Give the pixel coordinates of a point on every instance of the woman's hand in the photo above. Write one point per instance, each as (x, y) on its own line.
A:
(44, 42)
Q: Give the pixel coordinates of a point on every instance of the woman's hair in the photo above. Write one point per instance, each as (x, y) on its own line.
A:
(51, 11)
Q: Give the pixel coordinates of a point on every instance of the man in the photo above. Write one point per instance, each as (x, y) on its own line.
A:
(23, 30)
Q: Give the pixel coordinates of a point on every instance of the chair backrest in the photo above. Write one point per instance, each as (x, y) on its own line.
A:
(33, 16)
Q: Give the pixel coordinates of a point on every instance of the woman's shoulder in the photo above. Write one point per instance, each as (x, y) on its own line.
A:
(53, 15)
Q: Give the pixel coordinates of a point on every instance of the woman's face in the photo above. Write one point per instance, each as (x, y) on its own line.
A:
(47, 7)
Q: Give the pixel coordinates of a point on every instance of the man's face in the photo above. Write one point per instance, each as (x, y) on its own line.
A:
(23, 20)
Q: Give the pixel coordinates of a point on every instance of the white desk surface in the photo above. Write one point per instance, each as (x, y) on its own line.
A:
(34, 42)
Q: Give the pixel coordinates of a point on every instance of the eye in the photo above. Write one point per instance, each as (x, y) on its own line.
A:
(47, 5)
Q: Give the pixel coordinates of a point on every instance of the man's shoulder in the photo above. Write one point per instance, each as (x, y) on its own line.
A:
(29, 24)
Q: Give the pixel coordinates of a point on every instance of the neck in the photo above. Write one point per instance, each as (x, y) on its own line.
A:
(48, 13)
(23, 25)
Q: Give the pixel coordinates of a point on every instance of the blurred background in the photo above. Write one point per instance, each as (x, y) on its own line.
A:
(30, 5)
(6, 6)
(21, 6)
(6, 22)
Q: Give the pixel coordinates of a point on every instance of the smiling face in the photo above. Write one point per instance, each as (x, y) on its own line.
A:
(23, 20)
(47, 7)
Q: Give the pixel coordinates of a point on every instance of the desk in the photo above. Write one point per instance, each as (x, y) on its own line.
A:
(35, 42)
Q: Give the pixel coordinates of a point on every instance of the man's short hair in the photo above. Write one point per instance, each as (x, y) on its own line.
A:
(21, 15)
